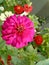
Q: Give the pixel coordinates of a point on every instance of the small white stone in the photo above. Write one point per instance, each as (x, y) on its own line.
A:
(1, 8)
(8, 13)
(2, 17)
(24, 13)
(35, 31)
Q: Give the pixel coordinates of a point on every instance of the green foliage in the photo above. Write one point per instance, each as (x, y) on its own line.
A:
(22, 56)
(41, 20)
(17, 2)
(44, 62)
(1, 1)
(44, 48)
(46, 41)
(20, 61)
(11, 2)
(35, 20)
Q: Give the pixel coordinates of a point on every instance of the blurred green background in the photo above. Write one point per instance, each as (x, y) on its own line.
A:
(41, 8)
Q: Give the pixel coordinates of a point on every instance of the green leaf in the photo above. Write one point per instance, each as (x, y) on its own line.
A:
(30, 49)
(35, 20)
(4, 58)
(32, 63)
(17, 2)
(1, 1)
(20, 60)
(44, 62)
(12, 51)
(40, 57)
(2, 43)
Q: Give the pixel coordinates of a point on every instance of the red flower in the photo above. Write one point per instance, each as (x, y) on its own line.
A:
(8, 63)
(2, 62)
(38, 39)
(18, 9)
(27, 8)
(9, 58)
(0, 58)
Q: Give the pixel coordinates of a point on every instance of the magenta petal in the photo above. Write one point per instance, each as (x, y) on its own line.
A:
(20, 45)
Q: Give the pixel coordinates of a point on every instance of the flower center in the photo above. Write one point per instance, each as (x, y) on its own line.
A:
(19, 8)
(20, 28)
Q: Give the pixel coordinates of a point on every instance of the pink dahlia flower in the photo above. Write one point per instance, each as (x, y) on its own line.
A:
(18, 31)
